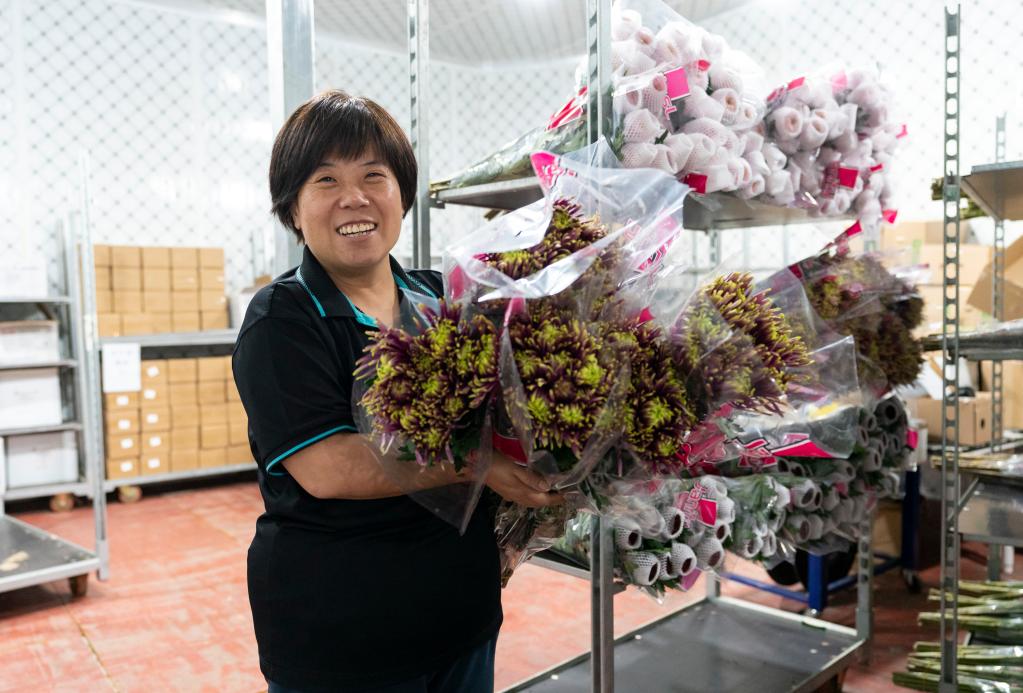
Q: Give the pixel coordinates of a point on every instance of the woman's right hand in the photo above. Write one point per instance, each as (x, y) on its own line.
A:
(517, 484)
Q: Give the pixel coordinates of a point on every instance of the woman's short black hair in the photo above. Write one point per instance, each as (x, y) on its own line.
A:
(335, 123)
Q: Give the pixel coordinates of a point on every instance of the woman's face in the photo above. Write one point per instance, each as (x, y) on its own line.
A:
(349, 212)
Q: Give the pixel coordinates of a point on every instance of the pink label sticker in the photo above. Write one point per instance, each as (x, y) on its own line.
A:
(903, 132)
(802, 447)
(456, 282)
(645, 315)
(797, 82)
(702, 65)
(877, 168)
(854, 230)
(775, 94)
(847, 176)
(696, 181)
(696, 506)
(912, 438)
(677, 83)
(686, 582)
(839, 82)
(570, 111)
(508, 446)
(889, 215)
(547, 168)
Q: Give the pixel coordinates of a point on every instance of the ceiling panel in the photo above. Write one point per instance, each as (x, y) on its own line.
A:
(467, 31)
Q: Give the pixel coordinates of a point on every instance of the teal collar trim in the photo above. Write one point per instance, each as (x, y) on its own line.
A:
(301, 280)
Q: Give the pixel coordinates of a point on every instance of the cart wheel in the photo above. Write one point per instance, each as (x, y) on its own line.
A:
(79, 585)
(912, 581)
(62, 503)
(810, 612)
(129, 494)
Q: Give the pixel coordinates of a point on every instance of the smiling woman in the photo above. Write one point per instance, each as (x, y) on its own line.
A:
(332, 603)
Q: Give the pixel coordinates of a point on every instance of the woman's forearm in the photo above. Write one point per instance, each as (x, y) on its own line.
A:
(345, 466)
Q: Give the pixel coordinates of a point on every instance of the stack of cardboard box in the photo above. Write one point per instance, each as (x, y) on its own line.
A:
(146, 290)
(188, 415)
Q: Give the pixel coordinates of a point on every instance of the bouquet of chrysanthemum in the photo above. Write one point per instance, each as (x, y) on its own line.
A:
(429, 388)
(858, 296)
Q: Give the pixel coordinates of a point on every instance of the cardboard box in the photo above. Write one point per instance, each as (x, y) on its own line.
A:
(43, 458)
(184, 460)
(238, 454)
(104, 301)
(238, 433)
(888, 527)
(154, 395)
(154, 372)
(120, 400)
(186, 438)
(909, 235)
(974, 418)
(156, 301)
(212, 279)
(126, 279)
(123, 468)
(185, 322)
(182, 393)
(30, 397)
(185, 301)
(210, 368)
(182, 370)
(162, 322)
(108, 325)
(184, 416)
(184, 258)
(185, 279)
(213, 414)
(33, 341)
(232, 391)
(101, 255)
(135, 324)
(213, 457)
(155, 442)
(972, 261)
(213, 321)
(1013, 291)
(155, 464)
(212, 392)
(122, 421)
(122, 447)
(211, 301)
(154, 418)
(236, 413)
(154, 280)
(103, 280)
(155, 257)
(213, 436)
(125, 256)
(212, 258)
(969, 316)
(127, 302)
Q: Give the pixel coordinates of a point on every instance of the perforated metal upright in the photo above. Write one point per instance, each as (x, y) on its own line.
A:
(950, 505)
(998, 298)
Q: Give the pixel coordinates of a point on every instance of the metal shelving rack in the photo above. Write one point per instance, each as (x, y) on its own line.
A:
(720, 643)
(987, 510)
(39, 557)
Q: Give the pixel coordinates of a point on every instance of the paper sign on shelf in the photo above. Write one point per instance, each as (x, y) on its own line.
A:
(122, 367)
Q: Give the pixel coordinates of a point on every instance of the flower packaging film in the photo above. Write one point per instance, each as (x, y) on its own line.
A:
(686, 103)
(700, 417)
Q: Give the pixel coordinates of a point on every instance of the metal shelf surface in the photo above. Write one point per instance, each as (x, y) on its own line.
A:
(993, 514)
(1001, 343)
(718, 644)
(701, 212)
(44, 556)
(112, 484)
(51, 428)
(78, 488)
(997, 189)
(60, 363)
(16, 300)
(178, 339)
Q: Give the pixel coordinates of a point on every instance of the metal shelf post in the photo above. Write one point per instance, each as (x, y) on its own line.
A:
(950, 363)
(419, 83)
(998, 299)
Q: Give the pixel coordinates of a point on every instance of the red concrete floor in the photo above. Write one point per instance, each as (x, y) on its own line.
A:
(174, 614)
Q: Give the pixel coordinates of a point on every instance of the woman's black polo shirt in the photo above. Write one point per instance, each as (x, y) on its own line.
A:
(345, 593)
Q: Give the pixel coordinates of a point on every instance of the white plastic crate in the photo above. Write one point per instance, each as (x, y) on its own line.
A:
(42, 458)
(25, 342)
(30, 397)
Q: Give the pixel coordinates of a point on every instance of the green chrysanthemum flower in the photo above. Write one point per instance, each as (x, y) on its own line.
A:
(427, 386)
(737, 347)
(565, 374)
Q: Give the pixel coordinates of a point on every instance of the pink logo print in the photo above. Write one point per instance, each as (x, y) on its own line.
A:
(797, 82)
(696, 505)
(854, 230)
(847, 176)
(912, 438)
(547, 169)
(696, 181)
(889, 215)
